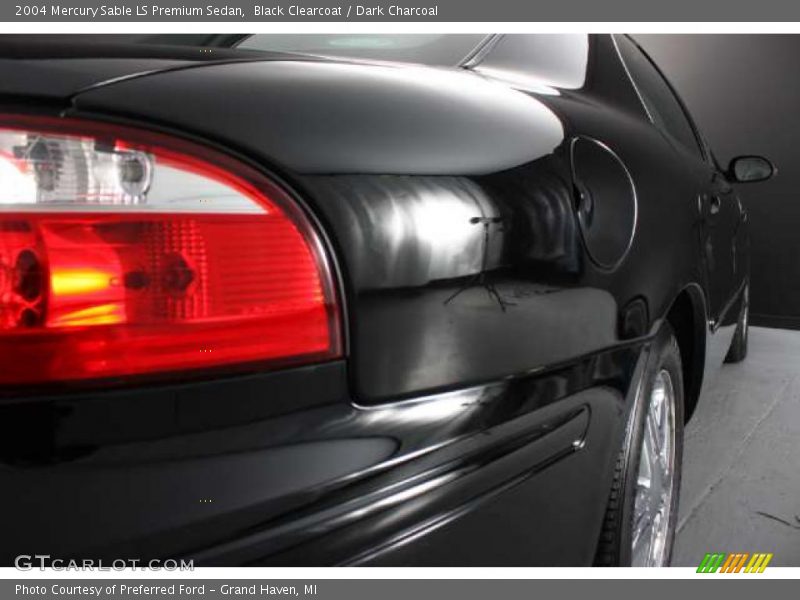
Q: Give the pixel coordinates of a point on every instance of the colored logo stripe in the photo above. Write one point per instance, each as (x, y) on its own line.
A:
(758, 563)
(711, 563)
(733, 563)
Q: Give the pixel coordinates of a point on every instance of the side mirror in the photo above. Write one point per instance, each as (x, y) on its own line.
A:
(749, 169)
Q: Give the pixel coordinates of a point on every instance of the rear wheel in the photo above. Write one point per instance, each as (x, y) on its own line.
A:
(639, 526)
(738, 350)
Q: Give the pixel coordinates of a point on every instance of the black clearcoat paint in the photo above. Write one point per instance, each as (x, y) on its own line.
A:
(758, 98)
(506, 249)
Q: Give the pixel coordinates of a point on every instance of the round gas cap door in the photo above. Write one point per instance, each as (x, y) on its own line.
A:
(605, 201)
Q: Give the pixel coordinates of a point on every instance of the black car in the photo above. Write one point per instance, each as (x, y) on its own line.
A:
(355, 299)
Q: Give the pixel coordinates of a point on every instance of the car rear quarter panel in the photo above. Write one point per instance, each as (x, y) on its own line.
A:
(449, 201)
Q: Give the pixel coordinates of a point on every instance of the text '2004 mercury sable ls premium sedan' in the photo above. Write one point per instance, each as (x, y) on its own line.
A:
(374, 300)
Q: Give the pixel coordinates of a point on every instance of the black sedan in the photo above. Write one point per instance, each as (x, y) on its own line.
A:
(355, 299)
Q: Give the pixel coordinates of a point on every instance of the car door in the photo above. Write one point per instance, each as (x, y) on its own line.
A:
(717, 206)
(720, 216)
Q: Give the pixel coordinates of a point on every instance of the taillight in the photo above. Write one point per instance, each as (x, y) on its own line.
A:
(127, 253)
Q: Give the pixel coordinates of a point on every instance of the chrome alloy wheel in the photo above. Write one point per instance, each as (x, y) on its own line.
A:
(655, 486)
(746, 316)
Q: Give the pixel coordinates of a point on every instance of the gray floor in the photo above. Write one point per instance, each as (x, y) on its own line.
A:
(741, 475)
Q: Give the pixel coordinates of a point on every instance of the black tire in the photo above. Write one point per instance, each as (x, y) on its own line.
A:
(738, 350)
(614, 546)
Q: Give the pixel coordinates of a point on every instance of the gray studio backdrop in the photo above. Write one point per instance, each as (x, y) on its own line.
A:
(744, 92)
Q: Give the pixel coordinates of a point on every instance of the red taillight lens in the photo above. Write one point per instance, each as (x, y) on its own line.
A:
(123, 254)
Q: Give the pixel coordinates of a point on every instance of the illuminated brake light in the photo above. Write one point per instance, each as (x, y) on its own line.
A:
(123, 253)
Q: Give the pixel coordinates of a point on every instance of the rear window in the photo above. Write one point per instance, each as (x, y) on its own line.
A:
(426, 49)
